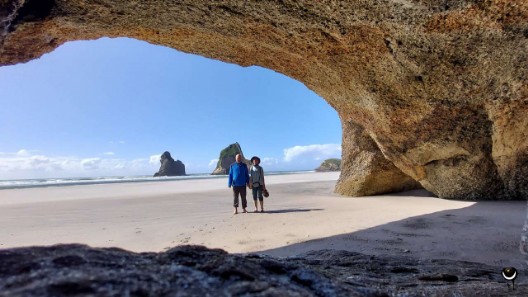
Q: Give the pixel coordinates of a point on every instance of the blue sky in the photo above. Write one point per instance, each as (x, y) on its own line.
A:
(112, 106)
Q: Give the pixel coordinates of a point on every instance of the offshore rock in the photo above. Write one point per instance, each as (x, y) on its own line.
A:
(78, 270)
(440, 88)
(169, 167)
(227, 157)
(329, 165)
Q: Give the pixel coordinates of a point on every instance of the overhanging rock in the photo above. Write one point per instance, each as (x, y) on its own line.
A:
(440, 87)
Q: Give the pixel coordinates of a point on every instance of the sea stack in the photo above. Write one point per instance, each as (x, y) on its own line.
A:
(169, 167)
(227, 157)
(329, 165)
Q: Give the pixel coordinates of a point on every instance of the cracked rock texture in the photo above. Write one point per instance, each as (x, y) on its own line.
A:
(437, 90)
(78, 270)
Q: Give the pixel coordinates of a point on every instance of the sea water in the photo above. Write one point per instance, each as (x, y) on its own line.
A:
(57, 182)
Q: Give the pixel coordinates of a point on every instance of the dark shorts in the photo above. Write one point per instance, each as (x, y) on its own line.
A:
(257, 192)
(239, 190)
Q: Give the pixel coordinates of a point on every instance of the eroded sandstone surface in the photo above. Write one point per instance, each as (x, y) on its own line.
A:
(437, 90)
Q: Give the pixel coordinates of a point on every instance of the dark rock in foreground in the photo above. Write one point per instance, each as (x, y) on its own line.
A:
(78, 270)
(169, 167)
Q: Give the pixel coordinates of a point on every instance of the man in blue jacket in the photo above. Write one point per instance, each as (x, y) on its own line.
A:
(239, 179)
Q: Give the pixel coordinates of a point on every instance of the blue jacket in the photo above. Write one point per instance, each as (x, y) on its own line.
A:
(238, 175)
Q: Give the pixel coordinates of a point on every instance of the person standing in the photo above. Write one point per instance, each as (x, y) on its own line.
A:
(256, 182)
(238, 179)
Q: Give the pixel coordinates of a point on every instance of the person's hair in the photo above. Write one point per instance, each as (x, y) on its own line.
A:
(255, 158)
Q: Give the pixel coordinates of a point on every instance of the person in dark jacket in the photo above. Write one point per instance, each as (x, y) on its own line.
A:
(238, 179)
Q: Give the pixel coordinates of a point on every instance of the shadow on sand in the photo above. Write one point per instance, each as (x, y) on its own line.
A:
(486, 232)
(292, 210)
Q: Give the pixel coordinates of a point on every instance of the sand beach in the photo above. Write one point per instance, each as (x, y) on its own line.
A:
(302, 214)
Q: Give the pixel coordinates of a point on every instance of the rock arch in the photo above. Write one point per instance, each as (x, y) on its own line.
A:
(428, 92)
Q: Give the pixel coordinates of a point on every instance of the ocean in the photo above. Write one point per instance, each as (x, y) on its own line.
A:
(60, 182)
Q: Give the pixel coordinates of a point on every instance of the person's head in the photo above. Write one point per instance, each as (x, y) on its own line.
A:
(255, 160)
(238, 158)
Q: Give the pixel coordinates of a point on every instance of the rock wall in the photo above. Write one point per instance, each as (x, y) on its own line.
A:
(438, 88)
(364, 169)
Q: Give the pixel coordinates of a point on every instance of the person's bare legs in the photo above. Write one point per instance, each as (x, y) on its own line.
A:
(261, 205)
(256, 207)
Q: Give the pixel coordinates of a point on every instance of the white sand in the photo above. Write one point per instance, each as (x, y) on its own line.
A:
(302, 214)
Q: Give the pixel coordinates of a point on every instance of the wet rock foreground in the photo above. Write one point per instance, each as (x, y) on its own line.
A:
(79, 270)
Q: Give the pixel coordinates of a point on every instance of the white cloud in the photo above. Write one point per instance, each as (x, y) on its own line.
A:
(312, 152)
(141, 163)
(23, 153)
(267, 161)
(23, 164)
(24, 161)
(108, 153)
(90, 163)
(213, 163)
(119, 165)
(154, 159)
